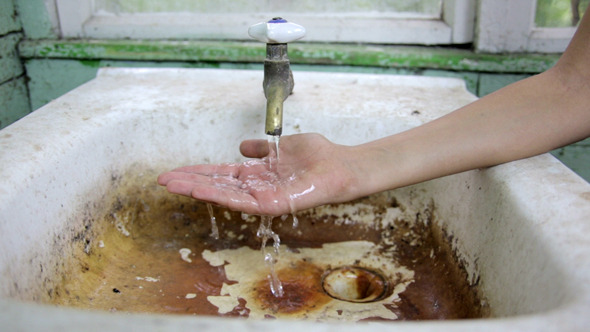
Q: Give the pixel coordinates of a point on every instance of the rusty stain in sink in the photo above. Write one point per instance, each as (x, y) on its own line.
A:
(151, 252)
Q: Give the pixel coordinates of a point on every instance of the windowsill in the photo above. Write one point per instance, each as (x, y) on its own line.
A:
(385, 56)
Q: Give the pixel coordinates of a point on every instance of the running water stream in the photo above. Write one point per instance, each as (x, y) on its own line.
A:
(265, 231)
(214, 229)
(275, 140)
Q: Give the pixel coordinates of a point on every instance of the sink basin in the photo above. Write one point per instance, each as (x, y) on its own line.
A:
(518, 232)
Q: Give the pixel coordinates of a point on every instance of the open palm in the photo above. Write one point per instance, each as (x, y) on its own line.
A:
(307, 175)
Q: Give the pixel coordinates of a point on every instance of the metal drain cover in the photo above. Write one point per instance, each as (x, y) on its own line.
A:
(354, 284)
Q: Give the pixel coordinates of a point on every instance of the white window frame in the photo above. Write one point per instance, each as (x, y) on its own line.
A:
(79, 19)
(495, 26)
(509, 26)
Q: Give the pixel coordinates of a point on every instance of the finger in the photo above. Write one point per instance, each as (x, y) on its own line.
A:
(254, 148)
(180, 187)
(164, 178)
(210, 169)
(234, 199)
(191, 178)
(214, 171)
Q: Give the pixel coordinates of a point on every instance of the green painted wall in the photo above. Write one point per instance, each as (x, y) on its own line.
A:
(14, 99)
(53, 66)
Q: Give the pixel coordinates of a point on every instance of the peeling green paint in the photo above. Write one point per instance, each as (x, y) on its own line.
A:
(420, 57)
(14, 101)
(300, 53)
(143, 50)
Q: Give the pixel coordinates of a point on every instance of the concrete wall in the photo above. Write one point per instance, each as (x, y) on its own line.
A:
(14, 99)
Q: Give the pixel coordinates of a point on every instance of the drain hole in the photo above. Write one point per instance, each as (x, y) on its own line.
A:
(354, 284)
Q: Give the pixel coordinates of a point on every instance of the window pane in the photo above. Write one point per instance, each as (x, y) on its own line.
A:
(412, 8)
(559, 13)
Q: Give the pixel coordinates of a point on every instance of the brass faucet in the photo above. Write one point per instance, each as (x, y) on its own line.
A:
(278, 79)
(278, 85)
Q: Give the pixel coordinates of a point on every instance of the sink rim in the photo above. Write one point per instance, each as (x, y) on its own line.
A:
(16, 315)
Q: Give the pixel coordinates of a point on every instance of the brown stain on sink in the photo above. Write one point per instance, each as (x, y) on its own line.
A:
(440, 289)
(130, 260)
(302, 290)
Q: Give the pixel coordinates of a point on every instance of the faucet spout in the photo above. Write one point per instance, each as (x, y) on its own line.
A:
(278, 84)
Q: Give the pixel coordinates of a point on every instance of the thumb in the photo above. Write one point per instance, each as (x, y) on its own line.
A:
(254, 148)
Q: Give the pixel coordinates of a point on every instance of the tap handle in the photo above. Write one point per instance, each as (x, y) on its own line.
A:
(276, 31)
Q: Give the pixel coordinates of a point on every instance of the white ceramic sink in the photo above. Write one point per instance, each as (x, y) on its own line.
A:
(522, 229)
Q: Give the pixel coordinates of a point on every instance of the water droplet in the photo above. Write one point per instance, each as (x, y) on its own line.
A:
(214, 229)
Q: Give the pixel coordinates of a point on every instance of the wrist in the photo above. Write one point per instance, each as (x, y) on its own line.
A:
(373, 167)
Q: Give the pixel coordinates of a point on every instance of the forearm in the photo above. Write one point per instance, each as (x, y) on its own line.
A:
(527, 118)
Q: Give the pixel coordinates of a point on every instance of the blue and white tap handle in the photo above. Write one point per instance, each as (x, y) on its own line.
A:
(276, 31)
